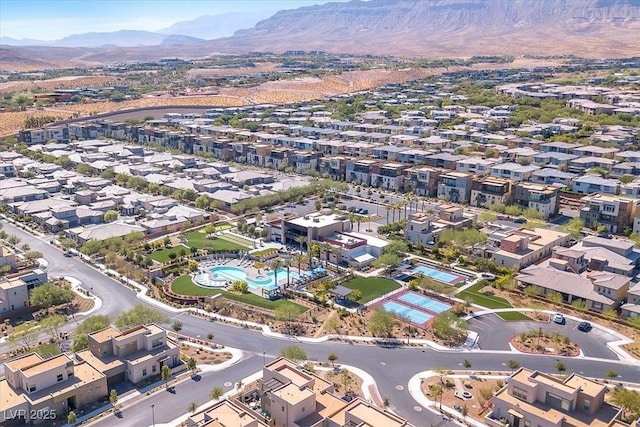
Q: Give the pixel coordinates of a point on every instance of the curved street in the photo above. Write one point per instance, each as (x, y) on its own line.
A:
(392, 367)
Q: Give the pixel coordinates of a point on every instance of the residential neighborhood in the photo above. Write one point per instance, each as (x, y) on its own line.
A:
(424, 252)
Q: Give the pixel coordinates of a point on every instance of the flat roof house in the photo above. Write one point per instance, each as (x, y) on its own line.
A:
(133, 355)
(56, 385)
(295, 398)
(533, 398)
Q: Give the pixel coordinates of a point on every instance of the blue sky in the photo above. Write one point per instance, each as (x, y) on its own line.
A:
(54, 19)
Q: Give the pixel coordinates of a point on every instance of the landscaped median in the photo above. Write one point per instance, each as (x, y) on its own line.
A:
(473, 295)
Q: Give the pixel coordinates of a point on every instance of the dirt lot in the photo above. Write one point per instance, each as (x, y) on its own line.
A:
(203, 356)
(68, 82)
(280, 91)
(345, 382)
(478, 406)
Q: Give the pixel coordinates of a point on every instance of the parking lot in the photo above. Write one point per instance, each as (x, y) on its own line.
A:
(495, 333)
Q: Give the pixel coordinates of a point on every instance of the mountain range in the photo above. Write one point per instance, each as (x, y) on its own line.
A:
(452, 28)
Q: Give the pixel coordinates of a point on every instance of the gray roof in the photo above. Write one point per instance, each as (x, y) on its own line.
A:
(342, 291)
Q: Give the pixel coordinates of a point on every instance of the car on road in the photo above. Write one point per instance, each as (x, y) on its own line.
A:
(559, 319)
(68, 254)
(520, 220)
(488, 276)
(584, 326)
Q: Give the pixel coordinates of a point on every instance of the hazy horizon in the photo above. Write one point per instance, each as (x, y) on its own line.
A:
(49, 20)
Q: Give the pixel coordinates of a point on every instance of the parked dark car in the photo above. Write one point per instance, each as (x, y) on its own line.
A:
(584, 326)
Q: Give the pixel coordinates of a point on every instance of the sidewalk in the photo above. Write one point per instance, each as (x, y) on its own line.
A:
(141, 292)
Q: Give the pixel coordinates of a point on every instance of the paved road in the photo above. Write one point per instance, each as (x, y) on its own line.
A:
(170, 404)
(494, 334)
(391, 367)
(115, 297)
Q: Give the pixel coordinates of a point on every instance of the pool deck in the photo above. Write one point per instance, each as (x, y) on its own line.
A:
(247, 265)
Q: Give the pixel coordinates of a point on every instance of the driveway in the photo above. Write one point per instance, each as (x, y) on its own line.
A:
(495, 333)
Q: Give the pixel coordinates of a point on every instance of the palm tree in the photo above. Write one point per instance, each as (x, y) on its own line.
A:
(299, 259)
(216, 393)
(287, 264)
(275, 266)
(301, 240)
(358, 219)
(240, 388)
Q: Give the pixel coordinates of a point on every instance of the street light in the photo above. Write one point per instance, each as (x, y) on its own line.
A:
(153, 416)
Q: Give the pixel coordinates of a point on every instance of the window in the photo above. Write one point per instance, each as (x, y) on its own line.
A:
(586, 405)
(59, 377)
(597, 306)
(153, 368)
(519, 393)
(31, 388)
(283, 409)
(527, 423)
(144, 372)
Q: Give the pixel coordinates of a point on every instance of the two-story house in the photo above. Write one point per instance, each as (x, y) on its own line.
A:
(132, 355)
(589, 184)
(422, 181)
(455, 187)
(359, 171)
(389, 176)
(533, 398)
(615, 213)
(54, 386)
(514, 171)
(486, 191)
(543, 198)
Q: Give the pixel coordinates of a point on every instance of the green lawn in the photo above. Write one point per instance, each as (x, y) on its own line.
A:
(162, 255)
(195, 239)
(239, 240)
(473, 296)
(183, 285)
(371, 287)
(513, 316)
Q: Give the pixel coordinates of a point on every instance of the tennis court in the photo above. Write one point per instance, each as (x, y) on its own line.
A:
(415, 316)
(421, 301)
(441, 276)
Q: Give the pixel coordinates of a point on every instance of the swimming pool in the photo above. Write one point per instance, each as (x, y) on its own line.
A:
(264, 281)
(401, 310)
(424, 302)
(437, 274)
